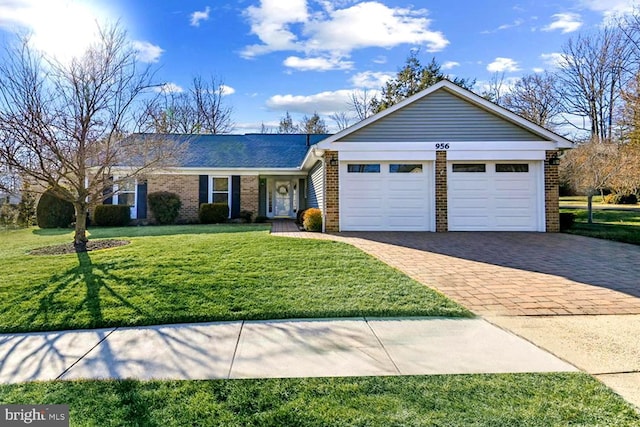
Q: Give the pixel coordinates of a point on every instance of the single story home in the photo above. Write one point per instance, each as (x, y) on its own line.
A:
(444, 159)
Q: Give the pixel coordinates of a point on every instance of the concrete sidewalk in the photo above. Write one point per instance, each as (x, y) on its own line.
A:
(263, 349)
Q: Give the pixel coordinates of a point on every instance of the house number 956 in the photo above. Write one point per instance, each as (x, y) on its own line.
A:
(442, 146)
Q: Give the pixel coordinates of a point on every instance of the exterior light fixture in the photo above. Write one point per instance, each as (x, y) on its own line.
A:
(333, 162)
(554, 160)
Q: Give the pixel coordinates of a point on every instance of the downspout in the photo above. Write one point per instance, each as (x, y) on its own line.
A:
(324, 195)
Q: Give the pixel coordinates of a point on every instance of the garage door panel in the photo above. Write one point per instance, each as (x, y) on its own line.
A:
(493, 201)
(394, 201)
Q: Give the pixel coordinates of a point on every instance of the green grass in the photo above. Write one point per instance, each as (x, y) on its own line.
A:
(442, 400)
(580, 200)
(621, 226)
(179, 274)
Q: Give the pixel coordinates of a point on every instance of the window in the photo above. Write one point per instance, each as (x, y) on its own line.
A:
(363, 168)
(469, 167)
(405, 168)
(126, 192)
(220, 190)
(512, 167)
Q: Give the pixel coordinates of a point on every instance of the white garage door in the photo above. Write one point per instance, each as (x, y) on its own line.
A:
(386, 196)
(494, 196)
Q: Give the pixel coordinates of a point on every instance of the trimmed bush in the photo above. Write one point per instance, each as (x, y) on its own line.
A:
(246, 216)
(567, 219)
(312, 219)
(112, 215)
(54, 212)
(300, 216)
(213, 213)
(620, 199)
(165, 206)
(8, 215)
(261, 219)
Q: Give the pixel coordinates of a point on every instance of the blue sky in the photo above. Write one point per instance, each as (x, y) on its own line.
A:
(303, 56)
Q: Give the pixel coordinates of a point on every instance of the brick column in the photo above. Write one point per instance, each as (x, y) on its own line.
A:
(442, 222)
(331, 192)
(551, 195)
(249, 190)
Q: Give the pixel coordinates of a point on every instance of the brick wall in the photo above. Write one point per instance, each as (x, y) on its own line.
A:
(551, 195)
(442, 223)
(186, 186)
(249, 194)
(332, 196)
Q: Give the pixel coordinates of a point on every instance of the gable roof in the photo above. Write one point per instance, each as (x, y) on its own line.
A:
(464, 95)
(259, 151)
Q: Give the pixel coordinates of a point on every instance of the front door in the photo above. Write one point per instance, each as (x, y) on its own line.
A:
(283, 198)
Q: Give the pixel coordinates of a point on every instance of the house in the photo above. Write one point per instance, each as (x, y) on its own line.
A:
(444, 159)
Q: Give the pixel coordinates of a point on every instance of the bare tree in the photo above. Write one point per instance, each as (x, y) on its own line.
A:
(361, 104)
(496, 88)
(313, 124)
(597, 165)
(64, 125)
(342, 119)
(287, 125)
(593, 70)
(536, 98)
(199, 110)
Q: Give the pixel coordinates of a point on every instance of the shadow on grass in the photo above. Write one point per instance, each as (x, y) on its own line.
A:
(172, 230)
(51, 231)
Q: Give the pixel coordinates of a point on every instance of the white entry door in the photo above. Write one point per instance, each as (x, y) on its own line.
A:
(282, 198)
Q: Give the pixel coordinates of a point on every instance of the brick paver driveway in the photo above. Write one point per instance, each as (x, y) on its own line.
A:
(516, 273)
(512, 274)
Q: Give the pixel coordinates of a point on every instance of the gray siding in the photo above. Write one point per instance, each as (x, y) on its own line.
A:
(315, 196)
(441, 116)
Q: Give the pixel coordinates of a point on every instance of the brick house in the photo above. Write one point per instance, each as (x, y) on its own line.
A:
(444, 159)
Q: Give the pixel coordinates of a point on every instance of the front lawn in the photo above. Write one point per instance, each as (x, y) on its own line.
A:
(198, 273)
(441, 400)
(618, 225)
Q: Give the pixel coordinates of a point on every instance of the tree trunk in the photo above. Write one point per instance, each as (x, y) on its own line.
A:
(590, 208)
(80, 235)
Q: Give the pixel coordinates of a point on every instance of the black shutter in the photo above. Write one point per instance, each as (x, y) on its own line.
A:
(141, 203)
(235, 196)
(203, 190)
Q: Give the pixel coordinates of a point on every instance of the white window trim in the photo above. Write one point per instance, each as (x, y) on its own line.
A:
(134, 207)
(229, 190)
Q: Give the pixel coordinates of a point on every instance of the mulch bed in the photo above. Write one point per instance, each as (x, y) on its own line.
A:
(69, 248)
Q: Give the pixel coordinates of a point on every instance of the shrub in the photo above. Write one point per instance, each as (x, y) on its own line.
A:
(312, 219)
(213, 213)
(165, 206)
(54, 212)
(300, 216)
(27, 207)
(261, 219)
(112, 215)
(566, 220)
(620, 199)
(246, 216)
(8, 215)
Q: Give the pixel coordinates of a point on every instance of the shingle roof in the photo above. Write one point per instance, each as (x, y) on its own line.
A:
(246, 151)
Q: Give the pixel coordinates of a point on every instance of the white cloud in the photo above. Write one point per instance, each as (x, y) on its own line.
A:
(381, 59)
(500, 65)
(371, 79)
(226, 90)
(168, 88)
(317, 64)
(538, 70)
(565, 22)
(503, 27)
(450, 64)
(610, 7)
(324, 103)
(147, 52)
(554, 59)
(199, 15)
(333, 32)
(60, 28)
